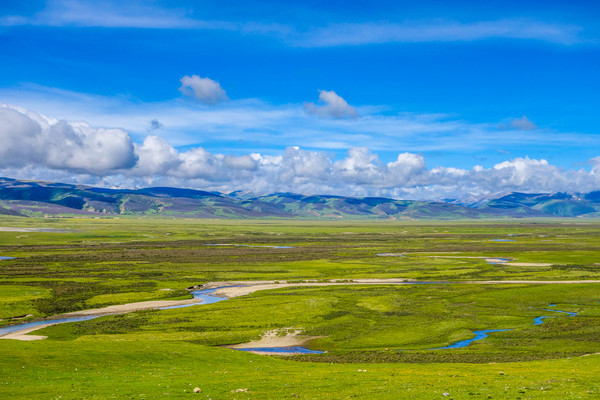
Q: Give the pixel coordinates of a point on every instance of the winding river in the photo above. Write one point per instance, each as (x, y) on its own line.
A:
(208, 296)
(205, 296)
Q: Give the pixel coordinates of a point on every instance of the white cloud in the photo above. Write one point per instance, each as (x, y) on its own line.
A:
(204, 89)
(145, 15)
(197, 163)
(155, 157)
(354, 34)
(333, 106)
(525, 172)
(245, 162)
(28, 139)
(301, 164)
(595, 162)
(258, 126)
(523, 124)
(37, 147)
(360, 167)
(405, 169)
(111, 14)
(361, 174)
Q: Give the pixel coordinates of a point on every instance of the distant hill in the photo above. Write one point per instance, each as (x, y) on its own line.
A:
(35, 198)
(557, 204)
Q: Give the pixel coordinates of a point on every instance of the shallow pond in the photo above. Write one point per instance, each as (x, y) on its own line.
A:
(248, 245)
(497, 260)
(286, 350)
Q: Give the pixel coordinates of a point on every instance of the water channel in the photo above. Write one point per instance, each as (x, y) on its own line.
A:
(207, 296)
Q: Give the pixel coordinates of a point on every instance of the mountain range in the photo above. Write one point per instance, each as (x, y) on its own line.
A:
(36, 198)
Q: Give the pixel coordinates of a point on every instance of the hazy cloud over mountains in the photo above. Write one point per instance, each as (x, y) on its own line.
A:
(76, 151)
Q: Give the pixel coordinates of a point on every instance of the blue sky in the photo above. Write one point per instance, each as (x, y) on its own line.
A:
(424, 99)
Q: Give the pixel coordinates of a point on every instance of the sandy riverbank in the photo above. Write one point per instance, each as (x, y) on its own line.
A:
(277, 338)
(130, 307)
(110, 310)
(286, 337)
(242, 288)
(23, 334)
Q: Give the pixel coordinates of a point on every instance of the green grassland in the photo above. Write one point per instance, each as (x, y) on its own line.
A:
(387, 330)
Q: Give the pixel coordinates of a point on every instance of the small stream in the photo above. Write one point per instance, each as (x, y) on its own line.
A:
(479, 335)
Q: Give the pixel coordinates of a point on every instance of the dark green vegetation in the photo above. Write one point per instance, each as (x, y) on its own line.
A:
(88, 263)
(29, 198)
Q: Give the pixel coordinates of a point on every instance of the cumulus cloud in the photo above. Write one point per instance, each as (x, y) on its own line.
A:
(278, 126)
(332, 106)
(28, 139)
(244, 162)
(360, 167)
(155, 157)
(523, 124)
(360, 173)
(204, 89)
(297, 164)
(405, 169)
(35, 146)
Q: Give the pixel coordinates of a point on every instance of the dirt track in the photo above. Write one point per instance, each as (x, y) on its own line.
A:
(247, 287)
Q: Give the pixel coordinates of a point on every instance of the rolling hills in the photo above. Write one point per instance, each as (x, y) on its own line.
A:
(36, 198)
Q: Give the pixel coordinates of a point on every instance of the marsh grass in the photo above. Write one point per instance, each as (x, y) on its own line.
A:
(94, 263)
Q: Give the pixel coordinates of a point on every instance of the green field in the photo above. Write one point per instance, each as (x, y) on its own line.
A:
(378, 338)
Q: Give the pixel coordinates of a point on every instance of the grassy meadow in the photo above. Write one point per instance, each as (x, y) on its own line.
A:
(379, 339)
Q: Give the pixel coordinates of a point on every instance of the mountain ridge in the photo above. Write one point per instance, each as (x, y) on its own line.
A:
(40, 198)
